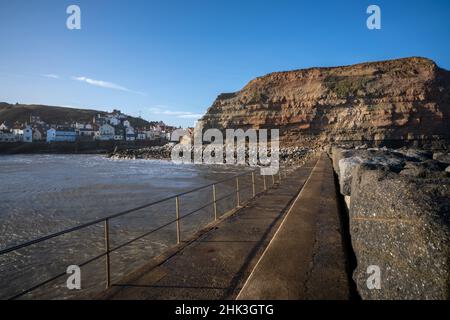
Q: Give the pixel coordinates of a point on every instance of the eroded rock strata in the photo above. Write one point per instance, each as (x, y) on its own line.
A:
(398, 99)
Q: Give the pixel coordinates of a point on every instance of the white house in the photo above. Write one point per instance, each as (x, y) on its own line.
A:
(114, 121)
(51, 135)
(61, 135)
(37, 135)
(18, 132)
(157, 131)
(106, 132)
(7, 136)
(4, 127)
(126, 123)
(149, 135)
(27, 135)
(79, 125)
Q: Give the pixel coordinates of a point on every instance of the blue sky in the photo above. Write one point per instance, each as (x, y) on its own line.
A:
(168, 60)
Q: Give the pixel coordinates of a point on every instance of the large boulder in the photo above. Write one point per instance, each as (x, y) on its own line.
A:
(416, 154)
(346, 167)
(428, 168)
(348, 161)
(401, 224)
(338, 154)
(442, 157)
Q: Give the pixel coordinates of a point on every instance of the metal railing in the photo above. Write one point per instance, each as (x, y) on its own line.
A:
(106, 223)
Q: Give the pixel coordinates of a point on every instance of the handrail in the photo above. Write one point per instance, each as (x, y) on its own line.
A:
(107, 218)
(167, 224)
(91, 223)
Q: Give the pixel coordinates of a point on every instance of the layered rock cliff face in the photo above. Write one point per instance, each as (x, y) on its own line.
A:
(398, 99)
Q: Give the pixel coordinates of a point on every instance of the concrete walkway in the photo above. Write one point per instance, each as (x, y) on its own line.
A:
(306, 257)
(216, 265)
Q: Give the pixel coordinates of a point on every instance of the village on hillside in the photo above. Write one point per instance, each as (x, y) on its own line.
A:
(107, 127)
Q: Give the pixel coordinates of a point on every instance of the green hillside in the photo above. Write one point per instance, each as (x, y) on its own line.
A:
(53, 115)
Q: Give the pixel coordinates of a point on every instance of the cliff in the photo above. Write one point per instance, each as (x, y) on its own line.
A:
(398, 99)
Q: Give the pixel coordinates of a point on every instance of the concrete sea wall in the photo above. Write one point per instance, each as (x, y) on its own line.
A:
(398, 202)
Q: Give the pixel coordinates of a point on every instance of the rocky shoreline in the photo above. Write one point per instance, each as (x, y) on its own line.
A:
(290, 156)
(149, 153)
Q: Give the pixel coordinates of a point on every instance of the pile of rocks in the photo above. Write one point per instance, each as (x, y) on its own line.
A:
(291, 156)
(399, 215)
(295, 156)
(155, 152)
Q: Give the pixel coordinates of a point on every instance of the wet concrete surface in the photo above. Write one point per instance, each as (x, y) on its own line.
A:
(306, 257)
(217, 263)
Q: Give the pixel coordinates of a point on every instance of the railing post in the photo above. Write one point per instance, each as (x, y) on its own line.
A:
(253, 184)
(214, 202)
(265, 185)
(108, 265)
(279, 176)
(273, 179)
(177, 210)
(237, 192)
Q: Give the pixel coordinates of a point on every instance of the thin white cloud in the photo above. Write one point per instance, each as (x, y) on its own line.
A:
(50, 75)
(191, 116)
(106, 84)
(178, 114)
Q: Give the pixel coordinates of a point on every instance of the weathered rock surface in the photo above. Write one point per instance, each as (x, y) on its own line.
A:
(155, 152)
(292, 156)
(346, 166)
(442, 156)
(402, 226)
(399, 212)
(398, 99)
